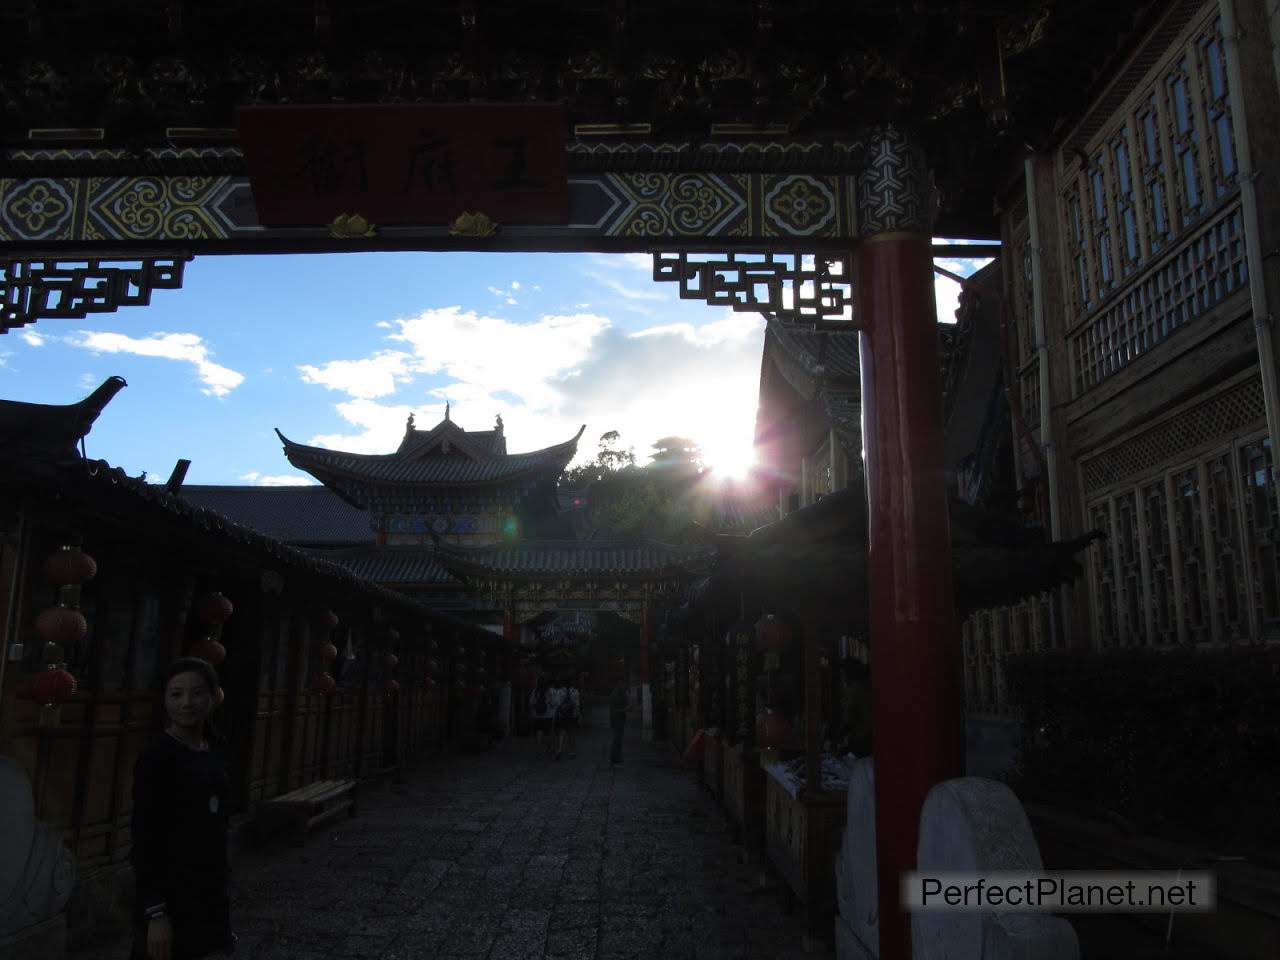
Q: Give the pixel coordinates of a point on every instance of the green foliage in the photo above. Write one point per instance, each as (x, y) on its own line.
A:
(610, 460)
(677, 456)
(658, 501)
(646, 503)
(1178, 742)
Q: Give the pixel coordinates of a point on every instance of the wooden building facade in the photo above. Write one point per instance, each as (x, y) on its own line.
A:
(1142, 360)
(400, 675)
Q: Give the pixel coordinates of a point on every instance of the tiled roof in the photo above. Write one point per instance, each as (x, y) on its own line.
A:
(95, 484)
(485, 443)
(390, 564)
(824, 354)
(535, 558)
(393, 469)
(298, 515)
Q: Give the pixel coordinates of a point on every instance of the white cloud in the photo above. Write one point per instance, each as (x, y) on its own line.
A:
(4, 357)
(187, 347)
(381, 427)
(622, 290)
(515, 284)
(375, 376)
(384, 324)
(511, 301)
(946, 294)
(627, 261)
(88, 381)
(735, 326)
(277, 480)
(33, 339)
(546, 378)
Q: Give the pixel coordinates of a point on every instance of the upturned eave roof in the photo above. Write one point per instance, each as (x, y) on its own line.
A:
(556, 559)
(395, 469)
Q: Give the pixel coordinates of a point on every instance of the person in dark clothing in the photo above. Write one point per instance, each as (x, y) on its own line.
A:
(180, 793)
(617, 720)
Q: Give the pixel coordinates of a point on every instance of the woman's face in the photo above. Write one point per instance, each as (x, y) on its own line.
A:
(187, 700)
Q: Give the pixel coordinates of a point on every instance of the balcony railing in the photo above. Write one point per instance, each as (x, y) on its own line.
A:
(1195, 275)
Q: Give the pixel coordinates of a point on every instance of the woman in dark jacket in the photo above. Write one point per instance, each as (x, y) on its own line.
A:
(180, 828)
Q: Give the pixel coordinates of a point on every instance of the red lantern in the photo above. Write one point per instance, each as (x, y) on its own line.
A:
(69, 565)
(52, 686)
(209, 649)
(772, 635)
(218, 696)
(392, 661)
(329, 619)
(62, 625)
(327, 651)
(393, 687)
(216, 609)
(326, 685)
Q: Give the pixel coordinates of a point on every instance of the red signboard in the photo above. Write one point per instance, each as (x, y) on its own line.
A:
(406, 163)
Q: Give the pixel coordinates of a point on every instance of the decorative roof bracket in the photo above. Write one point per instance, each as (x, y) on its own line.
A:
(794, 287)
(69, 287)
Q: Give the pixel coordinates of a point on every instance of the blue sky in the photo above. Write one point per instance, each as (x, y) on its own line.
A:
(337, 349)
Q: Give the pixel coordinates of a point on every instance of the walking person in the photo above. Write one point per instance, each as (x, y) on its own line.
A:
(179, 826)
(617, 720)
(568, 710)
(542, 712)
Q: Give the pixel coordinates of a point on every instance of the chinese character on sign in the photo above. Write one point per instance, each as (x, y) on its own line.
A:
(430, 164)
(515, 175)
(331, 166)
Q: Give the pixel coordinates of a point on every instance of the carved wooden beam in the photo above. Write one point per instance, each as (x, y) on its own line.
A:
(65, 287)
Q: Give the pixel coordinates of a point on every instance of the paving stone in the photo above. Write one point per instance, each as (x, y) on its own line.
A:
(510, 856)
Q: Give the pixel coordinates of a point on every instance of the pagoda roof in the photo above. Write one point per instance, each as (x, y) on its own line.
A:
(409, 565)
(298, 515)
(569, 558)
(446, 434)
(451, 464)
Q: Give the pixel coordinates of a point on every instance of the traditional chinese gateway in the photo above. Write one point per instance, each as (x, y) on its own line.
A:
(1117, 151)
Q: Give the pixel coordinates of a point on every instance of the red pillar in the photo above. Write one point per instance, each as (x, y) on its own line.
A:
(646, 637)
(916, 692)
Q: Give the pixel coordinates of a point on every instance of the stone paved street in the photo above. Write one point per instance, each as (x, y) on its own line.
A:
(511, 855)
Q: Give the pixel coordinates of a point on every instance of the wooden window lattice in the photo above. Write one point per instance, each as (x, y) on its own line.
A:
(1155, 517)
(1185, 140)
(1078, 283)
(1100, 224)
(1223, 512)
(1262, 520)
(1179, 149)
(1102, 576)
(1229, 413)
(1153, 168)
(1029, 391)
(1189, 537)
(1129, 583)
(1216, 97)
(1128, 247)
(1202, 274)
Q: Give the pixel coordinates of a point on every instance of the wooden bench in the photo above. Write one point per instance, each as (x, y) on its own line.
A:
(309, 807)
